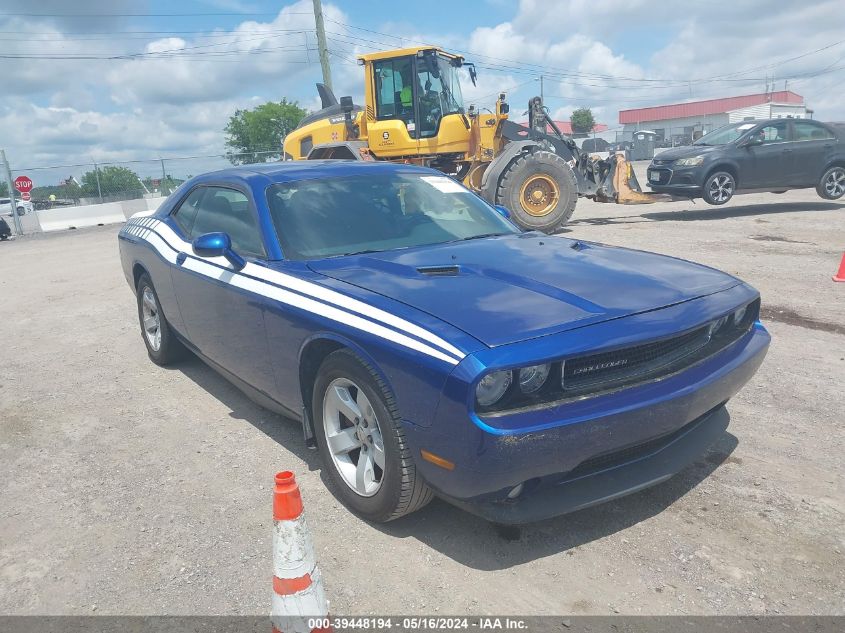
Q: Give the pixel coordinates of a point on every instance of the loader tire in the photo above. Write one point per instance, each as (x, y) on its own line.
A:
(540, 191)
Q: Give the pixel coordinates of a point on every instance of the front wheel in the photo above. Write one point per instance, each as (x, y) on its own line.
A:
(540, 191)
(719, 188)
(832, 183)
(362, 443)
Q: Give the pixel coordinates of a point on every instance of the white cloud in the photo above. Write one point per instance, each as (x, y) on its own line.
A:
(177, 97)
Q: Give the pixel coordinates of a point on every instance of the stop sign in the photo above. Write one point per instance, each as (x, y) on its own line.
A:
(26, 196)
(23, 184)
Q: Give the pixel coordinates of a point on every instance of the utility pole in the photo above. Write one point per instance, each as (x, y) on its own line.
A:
(163, 177)
(322, 47)
(14, 207)
(541, 87)
(97, 176)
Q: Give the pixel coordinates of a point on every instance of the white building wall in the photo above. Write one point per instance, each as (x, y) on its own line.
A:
(784, 110)
(677, 126)
(762, 111)
(769, 111)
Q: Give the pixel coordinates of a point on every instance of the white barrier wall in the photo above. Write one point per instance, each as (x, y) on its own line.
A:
(64, 218)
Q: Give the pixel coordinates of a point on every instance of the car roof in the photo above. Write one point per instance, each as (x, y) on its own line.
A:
(290, 170)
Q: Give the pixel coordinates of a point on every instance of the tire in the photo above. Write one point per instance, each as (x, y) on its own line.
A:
(832, 183)
(165, 348)
(538, 172)
(719, 187)
(389, 491)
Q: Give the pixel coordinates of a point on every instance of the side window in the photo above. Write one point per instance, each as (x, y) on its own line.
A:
(187, 211)
(774, 133)
(806, 131)
(227, 211)
(394, 93)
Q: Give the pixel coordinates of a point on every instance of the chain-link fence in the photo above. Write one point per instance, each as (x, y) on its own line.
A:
(61, 194)
(114, 181)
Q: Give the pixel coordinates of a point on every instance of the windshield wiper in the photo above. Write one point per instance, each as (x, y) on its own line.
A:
(364, 252)
(477, 237)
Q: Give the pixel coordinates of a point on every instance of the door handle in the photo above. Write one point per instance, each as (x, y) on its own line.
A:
(180, 258)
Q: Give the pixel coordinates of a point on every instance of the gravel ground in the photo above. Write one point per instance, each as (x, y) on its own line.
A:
(131, 489)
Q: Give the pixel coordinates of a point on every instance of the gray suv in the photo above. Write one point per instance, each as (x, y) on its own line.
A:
(753, 156)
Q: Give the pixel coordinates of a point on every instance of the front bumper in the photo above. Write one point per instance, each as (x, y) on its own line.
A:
(678, 181)
(599, 485)
(490, 461)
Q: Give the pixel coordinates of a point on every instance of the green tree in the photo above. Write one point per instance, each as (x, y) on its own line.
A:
(250, 133)
(68, 190)
(113, 180)
(582, 121)
(4, 189)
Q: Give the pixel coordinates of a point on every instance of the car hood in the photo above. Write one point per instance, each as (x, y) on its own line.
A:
(687, 151)
(510, 288)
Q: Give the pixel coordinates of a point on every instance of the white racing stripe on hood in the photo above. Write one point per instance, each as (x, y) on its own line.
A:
(314, 290)
(166, 240)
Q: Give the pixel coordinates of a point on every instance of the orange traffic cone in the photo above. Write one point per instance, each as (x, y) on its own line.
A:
(840, 276)
(299, 602)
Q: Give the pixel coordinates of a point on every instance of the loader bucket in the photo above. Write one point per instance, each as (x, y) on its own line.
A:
(620, 184)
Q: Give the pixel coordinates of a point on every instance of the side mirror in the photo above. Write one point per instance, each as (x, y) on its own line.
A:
(503, 211)
(217, 245)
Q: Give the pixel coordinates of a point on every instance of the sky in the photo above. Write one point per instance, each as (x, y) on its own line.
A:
(119, 80)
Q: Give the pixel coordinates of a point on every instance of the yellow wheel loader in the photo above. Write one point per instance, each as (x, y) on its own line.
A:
(414, 113)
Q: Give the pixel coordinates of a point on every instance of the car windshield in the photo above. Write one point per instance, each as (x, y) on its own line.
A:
(726, 134)
(377, 212)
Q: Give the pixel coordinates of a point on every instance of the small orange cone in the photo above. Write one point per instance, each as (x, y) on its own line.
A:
(299, 602)
(840, 276)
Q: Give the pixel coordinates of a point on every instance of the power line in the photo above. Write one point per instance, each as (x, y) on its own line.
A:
(557, 71)
(149, 15)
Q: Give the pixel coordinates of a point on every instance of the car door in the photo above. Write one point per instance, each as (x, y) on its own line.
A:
(224, 322)
(769, 163)
(813, 146)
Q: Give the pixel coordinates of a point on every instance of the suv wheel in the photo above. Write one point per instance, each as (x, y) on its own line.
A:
(832, 183)
(719, 188)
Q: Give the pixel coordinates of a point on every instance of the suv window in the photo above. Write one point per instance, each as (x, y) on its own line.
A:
(808, 131)
(226, 211)
(776, 132)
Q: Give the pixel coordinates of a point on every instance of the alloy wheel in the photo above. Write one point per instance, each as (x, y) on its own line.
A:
(353, 436)
(151, 318)
(834, 184)
(721, 188)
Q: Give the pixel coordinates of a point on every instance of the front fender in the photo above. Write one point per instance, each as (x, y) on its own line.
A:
(490, 179)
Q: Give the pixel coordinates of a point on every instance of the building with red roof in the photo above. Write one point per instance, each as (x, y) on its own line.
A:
(685, 121)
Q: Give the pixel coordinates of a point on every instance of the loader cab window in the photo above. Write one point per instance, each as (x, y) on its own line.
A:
(394, 90)
(440, 92)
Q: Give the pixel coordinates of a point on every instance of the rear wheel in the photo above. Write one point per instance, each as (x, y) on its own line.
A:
(540, 191)
(362, 443)
(832, 183)
(719, 188)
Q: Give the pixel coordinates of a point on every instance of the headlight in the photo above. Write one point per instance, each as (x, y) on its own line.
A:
(689, 162)
(739, 315)
(718, 325)
(532, 378)
(492, 387)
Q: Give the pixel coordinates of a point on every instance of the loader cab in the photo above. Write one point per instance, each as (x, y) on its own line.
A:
(415, 105)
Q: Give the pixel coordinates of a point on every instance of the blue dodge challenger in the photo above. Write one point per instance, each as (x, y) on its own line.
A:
(430, 347)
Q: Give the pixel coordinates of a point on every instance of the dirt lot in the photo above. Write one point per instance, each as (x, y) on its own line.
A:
(130, 489)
